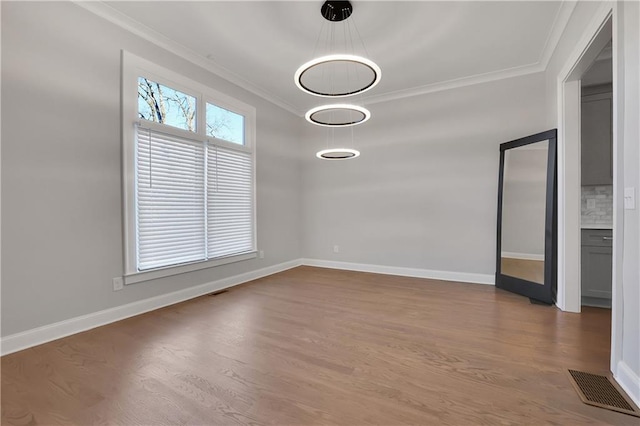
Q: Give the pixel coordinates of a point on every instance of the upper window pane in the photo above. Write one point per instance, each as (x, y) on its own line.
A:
(224, 124)
(162, 104)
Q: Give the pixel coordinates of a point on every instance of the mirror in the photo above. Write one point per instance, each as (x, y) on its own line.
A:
(523, 206)
(527, 217)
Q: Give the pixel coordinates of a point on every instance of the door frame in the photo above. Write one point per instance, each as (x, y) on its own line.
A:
(603, 27)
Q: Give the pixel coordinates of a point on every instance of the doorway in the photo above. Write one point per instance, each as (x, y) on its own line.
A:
(597, 36)
(596, 180)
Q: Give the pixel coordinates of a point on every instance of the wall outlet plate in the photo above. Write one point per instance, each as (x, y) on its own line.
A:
(118, 284)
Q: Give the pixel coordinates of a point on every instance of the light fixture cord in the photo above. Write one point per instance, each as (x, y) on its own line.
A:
(355, 67)
(353, 52)
(332, 82)
(333, 65)
(357, 77)
(355, 25)
(315, 48)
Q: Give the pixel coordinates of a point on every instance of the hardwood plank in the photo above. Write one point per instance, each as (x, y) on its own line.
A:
(320, 346)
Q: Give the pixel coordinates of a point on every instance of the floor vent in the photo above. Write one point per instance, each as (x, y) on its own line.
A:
(600, 391)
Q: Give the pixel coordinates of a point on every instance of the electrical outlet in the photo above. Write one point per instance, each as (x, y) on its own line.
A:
(336, 249)
(118, 284)
(261, 254)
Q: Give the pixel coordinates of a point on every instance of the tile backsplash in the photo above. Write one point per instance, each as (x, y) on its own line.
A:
(602, 211)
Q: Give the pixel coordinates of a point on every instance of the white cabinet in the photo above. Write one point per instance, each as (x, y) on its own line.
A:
(597, 166)
(596, 267)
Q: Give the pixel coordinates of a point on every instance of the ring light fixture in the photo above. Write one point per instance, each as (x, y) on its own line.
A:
(337, 154)
(329, 62)
(338, 75)
(337, 115)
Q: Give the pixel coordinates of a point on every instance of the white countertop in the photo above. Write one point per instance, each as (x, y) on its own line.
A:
(596, 226)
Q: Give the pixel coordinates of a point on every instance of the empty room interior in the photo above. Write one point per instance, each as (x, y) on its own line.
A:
(319, 212)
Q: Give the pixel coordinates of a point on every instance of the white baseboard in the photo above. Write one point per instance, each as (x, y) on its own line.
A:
(405, 272)
(629, 381)
(523, 256)
(47, 333)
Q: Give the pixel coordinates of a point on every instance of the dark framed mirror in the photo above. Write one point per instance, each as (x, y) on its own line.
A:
(526, 255)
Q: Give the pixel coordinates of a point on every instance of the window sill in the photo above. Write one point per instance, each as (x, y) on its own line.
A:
(137, 277)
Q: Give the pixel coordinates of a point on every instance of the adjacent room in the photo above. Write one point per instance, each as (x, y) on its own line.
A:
(319, 212)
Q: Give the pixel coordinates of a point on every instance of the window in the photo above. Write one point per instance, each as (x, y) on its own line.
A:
(224, 124)
(162, 104)
(189, 174)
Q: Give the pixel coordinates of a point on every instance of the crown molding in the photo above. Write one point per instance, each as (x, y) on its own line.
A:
(118, 18)
(557, 28)
(559, 24)
(456, 83)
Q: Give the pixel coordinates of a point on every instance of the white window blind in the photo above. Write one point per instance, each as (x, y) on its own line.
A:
(229, 201)
(170, 200)
(189, 209)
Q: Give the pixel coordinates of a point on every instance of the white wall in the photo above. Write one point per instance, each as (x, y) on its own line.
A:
(423, 194)
(61, 175)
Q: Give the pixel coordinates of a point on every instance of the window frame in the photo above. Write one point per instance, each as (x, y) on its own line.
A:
(133, 67)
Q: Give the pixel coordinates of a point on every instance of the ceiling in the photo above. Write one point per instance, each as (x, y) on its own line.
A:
(420, 46)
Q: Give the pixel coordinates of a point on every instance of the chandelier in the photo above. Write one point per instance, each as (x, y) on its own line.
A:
(339, 73)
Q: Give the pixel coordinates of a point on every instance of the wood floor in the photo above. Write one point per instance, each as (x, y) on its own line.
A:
(320, 346)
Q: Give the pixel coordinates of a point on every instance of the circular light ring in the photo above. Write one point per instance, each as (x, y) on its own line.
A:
(375, 69)
(338, 154)
(312, 117)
